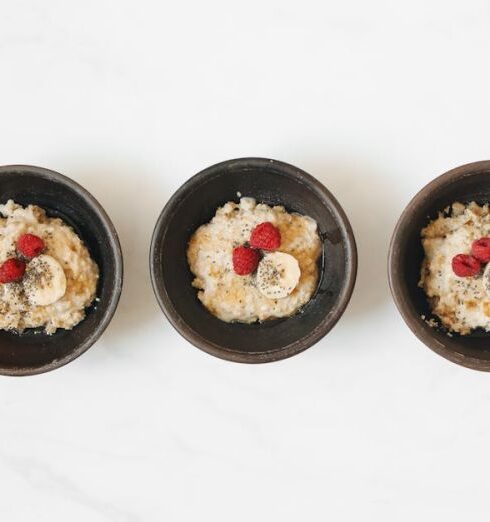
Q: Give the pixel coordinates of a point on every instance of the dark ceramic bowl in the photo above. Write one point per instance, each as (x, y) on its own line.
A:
(195, 203)
(33, 351)
(464, 184)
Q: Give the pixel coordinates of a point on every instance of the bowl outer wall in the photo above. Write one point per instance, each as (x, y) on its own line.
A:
(424, 333)
(215, 349)
(114, 245)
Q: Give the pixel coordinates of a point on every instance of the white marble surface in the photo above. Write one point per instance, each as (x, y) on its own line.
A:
(132, 98)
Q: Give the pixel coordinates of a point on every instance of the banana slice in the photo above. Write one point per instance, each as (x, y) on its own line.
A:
(44, 281)
(486, 279)
(277, 275)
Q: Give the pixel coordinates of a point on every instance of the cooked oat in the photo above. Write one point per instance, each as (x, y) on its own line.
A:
(235, 298)
(16, 312)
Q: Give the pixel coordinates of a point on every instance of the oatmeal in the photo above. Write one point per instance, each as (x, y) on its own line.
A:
(46, 273)
(453, 273)
(273, 279)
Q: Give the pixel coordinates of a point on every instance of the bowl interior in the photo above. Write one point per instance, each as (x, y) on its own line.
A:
(33, 351)
(196, 203)
(466, 184)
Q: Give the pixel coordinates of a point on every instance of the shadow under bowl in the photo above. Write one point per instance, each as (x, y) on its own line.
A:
(32, 351)
(464, 184)
(195, 203)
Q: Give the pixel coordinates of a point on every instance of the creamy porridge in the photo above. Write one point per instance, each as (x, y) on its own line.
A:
(254, 262)
(455, 273)
(47, 275)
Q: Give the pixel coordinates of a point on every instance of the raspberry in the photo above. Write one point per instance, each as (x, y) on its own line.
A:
(465, 266)
(12, 270)
(265, 236)
(245, 260)
(481, 249)
(30, 245)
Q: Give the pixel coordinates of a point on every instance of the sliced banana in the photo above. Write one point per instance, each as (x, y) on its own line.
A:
(44, 281)
(277, 275)
(486, 279)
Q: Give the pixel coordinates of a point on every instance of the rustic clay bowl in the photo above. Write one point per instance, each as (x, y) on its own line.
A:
(465, 184)
(33, 351)
(195, 203)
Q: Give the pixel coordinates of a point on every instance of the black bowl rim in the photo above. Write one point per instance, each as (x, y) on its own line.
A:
(394, 277)
(279, 353)
(115, 245)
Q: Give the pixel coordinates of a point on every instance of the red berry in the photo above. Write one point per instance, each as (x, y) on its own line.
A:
(30, 245)
(481, 249)
(465, 266)
(245, 260)
(265, 236)
(12, 270)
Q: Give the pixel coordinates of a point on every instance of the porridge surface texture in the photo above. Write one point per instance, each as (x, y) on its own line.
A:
(17, 306)
(461, 303)
(231, 297)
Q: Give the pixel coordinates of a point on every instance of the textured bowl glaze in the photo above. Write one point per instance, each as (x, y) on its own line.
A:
(33, 351)
(464, 184)
(195, 203)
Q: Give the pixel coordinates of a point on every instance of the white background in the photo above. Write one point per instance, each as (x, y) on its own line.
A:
(131, 98)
